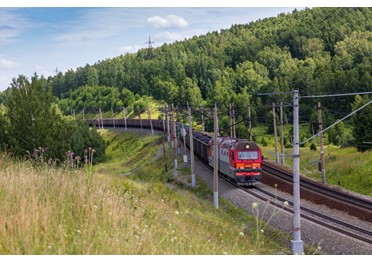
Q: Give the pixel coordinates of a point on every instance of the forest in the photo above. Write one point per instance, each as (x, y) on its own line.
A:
(318, 51)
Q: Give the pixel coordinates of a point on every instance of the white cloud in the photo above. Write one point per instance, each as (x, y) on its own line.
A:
(8, 64)
(171, 21)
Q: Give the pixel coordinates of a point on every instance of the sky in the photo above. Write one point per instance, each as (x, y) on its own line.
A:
(70, 34)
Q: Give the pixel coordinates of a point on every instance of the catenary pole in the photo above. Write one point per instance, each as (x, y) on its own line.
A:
(174, 142)
(250, 123)
(281, 134)
(234, 120)
(163, 117)
(202, 117)
(168, 128)
(322, 162)
(215, 159)
(230, 117)
(191, 150)
(297, 245)
(275, 136)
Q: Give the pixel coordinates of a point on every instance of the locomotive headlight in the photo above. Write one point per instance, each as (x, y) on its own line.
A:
(247, 146)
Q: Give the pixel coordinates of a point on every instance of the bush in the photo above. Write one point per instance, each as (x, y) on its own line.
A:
(288, 145)
(263, 142)
(313, 147)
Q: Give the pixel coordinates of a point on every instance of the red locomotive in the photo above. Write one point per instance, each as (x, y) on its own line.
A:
(239, 159)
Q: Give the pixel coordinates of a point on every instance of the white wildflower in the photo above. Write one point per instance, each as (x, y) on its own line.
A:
(241, 234)
(254, 205)
(286, 203)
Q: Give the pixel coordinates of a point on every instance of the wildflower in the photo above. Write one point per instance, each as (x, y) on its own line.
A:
(241, 234)
(177, 213)
(254, 205)
(262, 230)
(286, 203)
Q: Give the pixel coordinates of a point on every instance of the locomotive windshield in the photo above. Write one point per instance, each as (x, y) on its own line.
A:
(243, 155)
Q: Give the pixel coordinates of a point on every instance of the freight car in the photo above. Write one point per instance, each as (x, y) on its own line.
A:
(239, 159)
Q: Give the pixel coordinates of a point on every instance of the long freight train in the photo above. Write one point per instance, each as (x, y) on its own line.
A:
(239, 159)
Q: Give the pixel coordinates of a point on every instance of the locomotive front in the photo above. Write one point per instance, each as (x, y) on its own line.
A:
(245, 162)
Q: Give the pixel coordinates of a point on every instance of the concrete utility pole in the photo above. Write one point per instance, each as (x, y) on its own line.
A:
(113, 119)
(125, 118)
(163, 117)
(231, 126)
(215, 158)
(250, 123)
(152, 129)
(202, 116)
(174, 142)
(234, 126)
(168, 128)
(281, 133)
(191, 149)
(297, 245)
(275, 136)
(178, 134)
(184, 144)
(322, 162)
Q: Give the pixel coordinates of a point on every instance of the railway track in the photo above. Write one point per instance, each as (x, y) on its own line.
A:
(337, 225)
(315, 192)
(275, 174)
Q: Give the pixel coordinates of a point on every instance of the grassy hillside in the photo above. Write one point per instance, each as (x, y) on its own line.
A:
(127, 205)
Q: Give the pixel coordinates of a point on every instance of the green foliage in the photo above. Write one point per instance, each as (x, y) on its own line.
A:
(30, 116)
(91, 98)
(32, 125)
(263, 142)
(362, 124)
(318, 49)
(83, 137)
(336, 134)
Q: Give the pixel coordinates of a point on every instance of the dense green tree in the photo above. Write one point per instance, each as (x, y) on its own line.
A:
(34, 125)
(30, 115)
(362, 124)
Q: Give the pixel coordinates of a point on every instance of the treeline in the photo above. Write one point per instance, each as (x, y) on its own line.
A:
(320, 50)
(317, 51)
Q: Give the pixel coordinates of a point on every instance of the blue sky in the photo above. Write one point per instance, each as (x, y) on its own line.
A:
(41, 39)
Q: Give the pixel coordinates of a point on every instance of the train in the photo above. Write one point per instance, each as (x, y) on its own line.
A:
(240, 160)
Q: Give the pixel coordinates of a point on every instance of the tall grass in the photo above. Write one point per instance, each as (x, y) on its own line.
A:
(120, 209)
